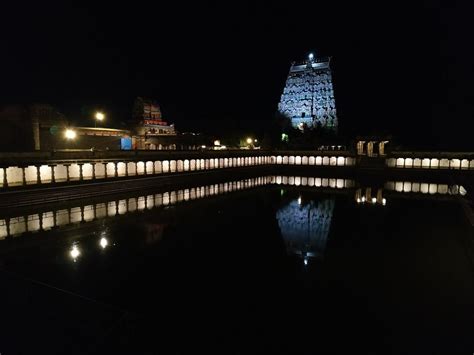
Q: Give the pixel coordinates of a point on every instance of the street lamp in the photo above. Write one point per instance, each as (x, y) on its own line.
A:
(249, 140)
(99, 116)
(70, 134)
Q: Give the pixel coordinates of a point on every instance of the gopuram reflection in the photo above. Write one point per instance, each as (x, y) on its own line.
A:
(305, 225)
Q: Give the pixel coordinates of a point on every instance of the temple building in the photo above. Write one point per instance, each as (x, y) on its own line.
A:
(149, 129)
(308, 96)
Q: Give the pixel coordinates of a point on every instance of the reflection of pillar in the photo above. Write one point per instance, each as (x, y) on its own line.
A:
(23, 169)
(379, 196)
(5, 180)
(93, 171)
(54, 219)
(105, 170)
(80, 172)
(53, 177)
(7, 221)
(126, 168)
(38, 174)
(67, 171)
(368, 194)
(25, 219)
(115, 169)
(40, 215)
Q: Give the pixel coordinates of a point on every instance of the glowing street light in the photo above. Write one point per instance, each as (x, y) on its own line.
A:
(70, 134)
(311, 56)
(249, 140)
(99, 116)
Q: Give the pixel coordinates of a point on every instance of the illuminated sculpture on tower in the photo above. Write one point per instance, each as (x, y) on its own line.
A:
(308, 96)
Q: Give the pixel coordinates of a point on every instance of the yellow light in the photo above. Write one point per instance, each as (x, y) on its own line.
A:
(249, 140)
(99, 116)
(70, 134)
(217, 142)
(363, 198)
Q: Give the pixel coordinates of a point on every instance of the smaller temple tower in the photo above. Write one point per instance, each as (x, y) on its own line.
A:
(149, 129)
(308, 96)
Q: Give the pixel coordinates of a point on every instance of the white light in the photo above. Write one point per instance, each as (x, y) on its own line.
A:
(217, 142)
(384, 201)
(203, 146)
(358, 199)
(311, 56)
(255, 140)
(299, 200)
(75, 252)
(99, 116)
(70, 134)
(363, 198)
(374, 200)
(103, 242)
(249, 140)
(306, 261)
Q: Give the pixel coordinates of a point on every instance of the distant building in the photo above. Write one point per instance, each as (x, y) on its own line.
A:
(308, 96)
(148, 128)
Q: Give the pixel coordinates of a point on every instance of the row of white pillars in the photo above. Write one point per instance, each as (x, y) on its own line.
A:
(430, 163)
(51, 173)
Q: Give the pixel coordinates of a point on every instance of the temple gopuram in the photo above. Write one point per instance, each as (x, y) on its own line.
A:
(150, 131)
(308, 96)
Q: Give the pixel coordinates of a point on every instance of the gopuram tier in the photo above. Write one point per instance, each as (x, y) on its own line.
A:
(308, 96)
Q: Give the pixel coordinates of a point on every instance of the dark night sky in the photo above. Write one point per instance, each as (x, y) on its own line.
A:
(216, 65)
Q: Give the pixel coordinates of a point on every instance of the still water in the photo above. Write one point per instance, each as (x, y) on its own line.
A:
(272, 264)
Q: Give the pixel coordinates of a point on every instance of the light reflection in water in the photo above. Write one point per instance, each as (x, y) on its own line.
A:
(103, 242)
(74, 252)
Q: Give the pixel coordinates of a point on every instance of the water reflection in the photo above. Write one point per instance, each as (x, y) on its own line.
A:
(305, 225)
(103, 242)
(18, 225)
(75, 252)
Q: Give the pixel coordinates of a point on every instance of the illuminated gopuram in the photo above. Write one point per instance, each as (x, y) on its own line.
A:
(305, 226)
(308, 96)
